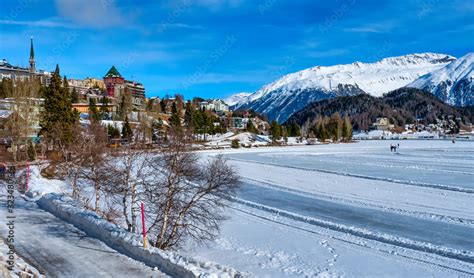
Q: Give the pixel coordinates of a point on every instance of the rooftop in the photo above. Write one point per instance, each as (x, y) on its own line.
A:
(113, 72)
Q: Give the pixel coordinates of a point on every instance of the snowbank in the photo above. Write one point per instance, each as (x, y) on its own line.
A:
(127, 243)
(38, 185)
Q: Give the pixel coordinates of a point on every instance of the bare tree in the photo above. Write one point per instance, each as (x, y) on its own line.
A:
(24, 105)
(83, 161)
(69, 165)
(130, 172)
(185, 196)
(93, 163)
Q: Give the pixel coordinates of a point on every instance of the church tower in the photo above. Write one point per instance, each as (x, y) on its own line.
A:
(32, 58)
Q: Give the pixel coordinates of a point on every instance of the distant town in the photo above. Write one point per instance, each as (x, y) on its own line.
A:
(114, 100)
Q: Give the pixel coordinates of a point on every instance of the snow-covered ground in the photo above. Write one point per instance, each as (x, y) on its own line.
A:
(329, 210)
(351, 210)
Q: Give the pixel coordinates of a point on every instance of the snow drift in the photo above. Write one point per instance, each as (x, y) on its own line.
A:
(128, 243)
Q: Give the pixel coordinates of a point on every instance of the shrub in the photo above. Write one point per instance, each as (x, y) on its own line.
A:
(235, 144)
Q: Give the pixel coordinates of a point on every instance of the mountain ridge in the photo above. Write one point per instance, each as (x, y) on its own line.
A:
(401, 106)
(453, 83)
(290, 93)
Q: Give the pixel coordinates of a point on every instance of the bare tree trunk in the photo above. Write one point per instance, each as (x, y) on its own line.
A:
(125, 208)
(164, 225)
(133, 209)
(97, 196)
(75, 189)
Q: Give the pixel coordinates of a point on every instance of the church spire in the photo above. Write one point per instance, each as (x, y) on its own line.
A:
(32, 58)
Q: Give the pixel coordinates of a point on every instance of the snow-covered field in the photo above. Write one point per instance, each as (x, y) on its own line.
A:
(351, 210)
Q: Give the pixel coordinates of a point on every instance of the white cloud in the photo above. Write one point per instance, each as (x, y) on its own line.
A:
(327, 53)
(48, 23)
(213, 5)
(219, 3)
(362, 30)
(165, 26)
(91, 13)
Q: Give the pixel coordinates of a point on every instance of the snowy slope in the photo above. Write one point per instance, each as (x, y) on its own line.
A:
(452, 83)
(294, 91)
(236, 98)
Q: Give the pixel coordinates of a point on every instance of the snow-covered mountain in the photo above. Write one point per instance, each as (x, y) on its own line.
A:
(453, 83)
(236, 98)
(280, 99)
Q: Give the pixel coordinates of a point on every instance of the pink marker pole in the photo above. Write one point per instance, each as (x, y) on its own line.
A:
(143, 226)
(27, 175)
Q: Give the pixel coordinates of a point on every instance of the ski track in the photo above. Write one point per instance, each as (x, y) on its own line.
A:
(349, 242)
(466, 256)
(401, 166)
(421, 184)
(362, 202)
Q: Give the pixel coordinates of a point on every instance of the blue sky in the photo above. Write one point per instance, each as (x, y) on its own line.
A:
(213, 48)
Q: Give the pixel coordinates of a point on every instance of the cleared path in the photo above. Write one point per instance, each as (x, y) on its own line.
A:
(58, 249)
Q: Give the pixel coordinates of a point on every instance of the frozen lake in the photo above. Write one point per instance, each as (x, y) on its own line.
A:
(410, 213)
(430, 163)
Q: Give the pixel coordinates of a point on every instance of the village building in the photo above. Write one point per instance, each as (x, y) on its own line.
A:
(216, 105)
(17, 73)
(84, 107)
(382, 124)
(116, 86)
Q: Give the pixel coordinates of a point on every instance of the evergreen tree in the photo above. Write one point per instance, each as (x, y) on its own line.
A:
(250, 127)
(347, 129)
(199, 121)
(125, 105)
(74, 96)
(235, 144)
(323, 133)
(275, 129)
(163, 106)
(189, 116)
(294, 130)
(104, 111)
(65, 84)
(334, 127)
(127, 131)
(112, 131)
(94, 115)
(175, 120)
(57, 118)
